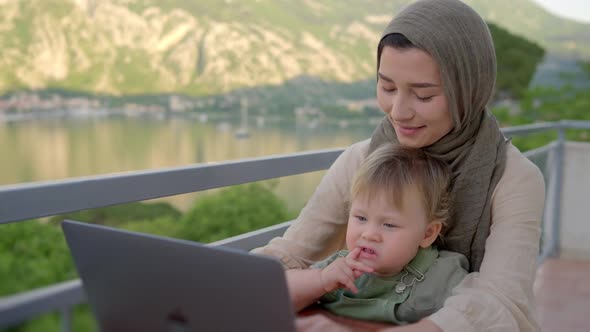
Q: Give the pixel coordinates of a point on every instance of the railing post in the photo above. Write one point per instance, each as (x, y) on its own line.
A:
(66, 319)
(556, 218)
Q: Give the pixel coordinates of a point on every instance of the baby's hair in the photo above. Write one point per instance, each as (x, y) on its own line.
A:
(391, 168)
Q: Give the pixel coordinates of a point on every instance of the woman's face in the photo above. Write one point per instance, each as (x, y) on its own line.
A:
(410, 92)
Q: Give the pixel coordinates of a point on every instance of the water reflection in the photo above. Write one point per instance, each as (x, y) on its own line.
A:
(57, 149)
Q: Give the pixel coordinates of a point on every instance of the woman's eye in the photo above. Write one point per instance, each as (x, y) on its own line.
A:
(424, 99)
(388, 89)
(361, 218)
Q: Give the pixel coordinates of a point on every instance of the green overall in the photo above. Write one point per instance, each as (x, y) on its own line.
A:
(416, 292)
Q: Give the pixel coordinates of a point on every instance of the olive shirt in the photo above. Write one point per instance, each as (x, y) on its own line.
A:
(498, 298)
(417, 291)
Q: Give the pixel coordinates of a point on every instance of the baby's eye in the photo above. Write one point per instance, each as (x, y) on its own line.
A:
(388, 225)
(361, 218)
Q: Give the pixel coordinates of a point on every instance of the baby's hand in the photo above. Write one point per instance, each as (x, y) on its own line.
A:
(343, 272)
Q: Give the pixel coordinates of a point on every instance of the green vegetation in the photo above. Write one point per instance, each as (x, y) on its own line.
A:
(544, 104)
(517, 61)
(116, 215)
(34, 254)
(527, 18)
(232, 212)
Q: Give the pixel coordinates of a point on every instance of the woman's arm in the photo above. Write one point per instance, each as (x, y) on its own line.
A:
(500, 296)
(320, 228)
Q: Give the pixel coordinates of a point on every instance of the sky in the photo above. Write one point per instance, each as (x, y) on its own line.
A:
(575, 9)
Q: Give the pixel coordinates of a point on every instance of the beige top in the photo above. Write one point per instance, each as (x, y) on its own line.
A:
(498, 298)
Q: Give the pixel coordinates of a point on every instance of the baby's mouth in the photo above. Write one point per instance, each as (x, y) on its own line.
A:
(368, 253)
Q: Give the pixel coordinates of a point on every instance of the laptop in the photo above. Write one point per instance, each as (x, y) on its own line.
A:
(141, 282)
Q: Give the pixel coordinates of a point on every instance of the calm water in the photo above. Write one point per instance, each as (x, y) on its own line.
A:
(61, 148)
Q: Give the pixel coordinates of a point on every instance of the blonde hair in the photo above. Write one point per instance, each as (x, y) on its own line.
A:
(392, 168)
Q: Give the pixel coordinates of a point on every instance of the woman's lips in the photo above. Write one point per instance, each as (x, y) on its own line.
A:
(408, 131)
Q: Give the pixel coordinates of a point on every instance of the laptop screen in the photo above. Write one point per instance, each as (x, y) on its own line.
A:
(141, 282)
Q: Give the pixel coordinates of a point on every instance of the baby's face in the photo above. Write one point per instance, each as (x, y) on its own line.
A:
(389, 236)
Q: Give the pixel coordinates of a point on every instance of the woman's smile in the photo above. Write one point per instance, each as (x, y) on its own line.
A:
(408, 130)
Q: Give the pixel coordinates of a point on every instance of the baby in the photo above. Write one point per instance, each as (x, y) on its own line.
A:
(392, 271)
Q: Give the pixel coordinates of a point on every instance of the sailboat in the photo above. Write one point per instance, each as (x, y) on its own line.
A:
(243, 131)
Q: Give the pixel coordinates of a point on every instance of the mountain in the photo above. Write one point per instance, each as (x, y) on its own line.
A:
(561, 36)
(214, 46)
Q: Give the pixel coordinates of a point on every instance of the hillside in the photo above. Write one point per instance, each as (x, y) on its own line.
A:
(206, 47)
(559, 36)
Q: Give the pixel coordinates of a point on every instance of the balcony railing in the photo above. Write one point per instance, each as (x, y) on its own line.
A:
(41, 199)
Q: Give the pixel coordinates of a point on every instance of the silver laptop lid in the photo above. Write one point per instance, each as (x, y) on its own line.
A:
(141, 282)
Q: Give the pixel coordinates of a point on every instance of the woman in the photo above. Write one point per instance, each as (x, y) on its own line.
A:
(436, 70)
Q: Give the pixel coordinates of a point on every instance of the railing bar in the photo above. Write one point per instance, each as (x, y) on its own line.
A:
(19, 307)
(529, 129)
(575, 124)
(540, 150)
(254, 239)
(58, 197)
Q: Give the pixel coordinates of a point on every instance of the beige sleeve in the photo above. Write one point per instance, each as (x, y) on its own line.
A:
(320, 228)
(500, 296)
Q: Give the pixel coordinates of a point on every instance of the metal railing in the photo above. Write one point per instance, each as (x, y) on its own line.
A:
(59, 197)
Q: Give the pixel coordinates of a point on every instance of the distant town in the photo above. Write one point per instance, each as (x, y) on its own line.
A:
(26, 105)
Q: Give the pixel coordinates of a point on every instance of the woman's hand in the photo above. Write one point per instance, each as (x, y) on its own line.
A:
(322, 323)
(343, 272)
(424, 325)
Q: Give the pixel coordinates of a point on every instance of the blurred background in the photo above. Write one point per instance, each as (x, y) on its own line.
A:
(91, 87)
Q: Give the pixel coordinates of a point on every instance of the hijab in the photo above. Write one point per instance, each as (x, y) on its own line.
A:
(460, 42)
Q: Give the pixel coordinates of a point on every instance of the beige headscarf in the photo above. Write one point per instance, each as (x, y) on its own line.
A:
(460, 42)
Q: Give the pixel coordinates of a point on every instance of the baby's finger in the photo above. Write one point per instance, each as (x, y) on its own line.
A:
(347, 272)
(350, 285)
(355, 253)
(358, 273)
(357, 265)
(353, 256)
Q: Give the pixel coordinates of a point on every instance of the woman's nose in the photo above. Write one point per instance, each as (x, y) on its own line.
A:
(400, 109)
